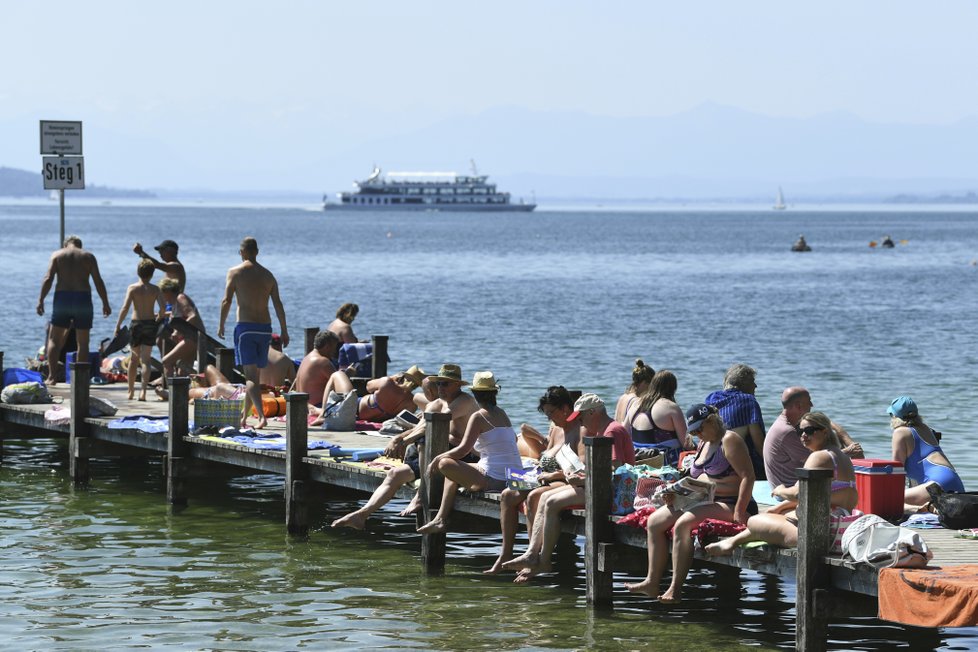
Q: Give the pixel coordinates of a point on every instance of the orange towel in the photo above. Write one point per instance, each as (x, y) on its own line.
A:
(930, 597)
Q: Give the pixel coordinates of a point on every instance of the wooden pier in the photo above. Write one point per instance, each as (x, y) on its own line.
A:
(823, 581)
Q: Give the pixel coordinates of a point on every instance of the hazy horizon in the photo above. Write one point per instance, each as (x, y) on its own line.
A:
(727, 100)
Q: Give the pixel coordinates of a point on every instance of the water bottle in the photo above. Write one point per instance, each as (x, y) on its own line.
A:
(169, 309)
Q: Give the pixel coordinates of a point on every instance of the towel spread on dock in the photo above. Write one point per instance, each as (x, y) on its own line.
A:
(709, 529)
(141, 422)
(930, 597)
(261, 440)
(923, 522)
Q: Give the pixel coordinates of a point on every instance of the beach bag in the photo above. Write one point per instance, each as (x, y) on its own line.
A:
(649, 482)
(624, 482)
(25, 393)
(217, 412)
(839, 521)
(340, 411)
(955, 511)
(871, 540)
(17, 375)
(272, 406)
(101, 407)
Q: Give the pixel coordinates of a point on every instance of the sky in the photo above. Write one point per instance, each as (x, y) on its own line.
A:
(246, 94)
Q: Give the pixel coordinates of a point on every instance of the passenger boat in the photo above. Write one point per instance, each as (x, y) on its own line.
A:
(426, 191)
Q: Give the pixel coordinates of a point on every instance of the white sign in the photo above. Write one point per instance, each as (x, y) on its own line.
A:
(63, 172)
(60, 137)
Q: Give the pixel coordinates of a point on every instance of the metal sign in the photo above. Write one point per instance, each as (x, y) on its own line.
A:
(61, 137)
(63, 172)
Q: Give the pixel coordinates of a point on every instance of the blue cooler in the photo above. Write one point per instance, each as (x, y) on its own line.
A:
(93, 358)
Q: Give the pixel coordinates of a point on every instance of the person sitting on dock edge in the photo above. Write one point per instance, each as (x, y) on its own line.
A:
(342, 325)
(451, 400)
(253, 286)
(72, 266)
(783, 449)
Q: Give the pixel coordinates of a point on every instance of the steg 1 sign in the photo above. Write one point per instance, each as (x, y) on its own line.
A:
(63, 172)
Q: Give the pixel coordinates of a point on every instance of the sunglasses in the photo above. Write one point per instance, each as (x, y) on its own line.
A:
(808, 431)
(443, 383)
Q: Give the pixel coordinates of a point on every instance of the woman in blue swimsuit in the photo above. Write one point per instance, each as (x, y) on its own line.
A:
(722, 457)
(915, 444)
(779, 525)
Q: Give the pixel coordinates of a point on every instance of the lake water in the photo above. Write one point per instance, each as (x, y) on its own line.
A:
(568, 297)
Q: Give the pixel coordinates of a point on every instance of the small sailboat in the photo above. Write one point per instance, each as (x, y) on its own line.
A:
(779, 204)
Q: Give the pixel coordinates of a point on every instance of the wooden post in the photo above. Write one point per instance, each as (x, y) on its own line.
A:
(201, 352)
(379, 356)
(598, 533)
(814, 490)
(176, 447)
(296, 472)
(225, 362)
(78, 441)
(437, 426)
(311, 334)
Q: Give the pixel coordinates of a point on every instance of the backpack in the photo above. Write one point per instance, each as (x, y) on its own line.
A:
(955, 511)
(871, 540)
(22, 393)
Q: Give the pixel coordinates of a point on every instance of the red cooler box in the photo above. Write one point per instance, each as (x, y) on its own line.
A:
(880, 484)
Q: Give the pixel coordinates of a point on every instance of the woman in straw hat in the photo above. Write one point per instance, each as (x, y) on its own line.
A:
(490, 433)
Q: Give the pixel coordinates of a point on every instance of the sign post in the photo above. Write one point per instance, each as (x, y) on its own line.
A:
(66, 168)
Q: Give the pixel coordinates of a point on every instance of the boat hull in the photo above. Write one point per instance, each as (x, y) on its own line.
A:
(420, 208)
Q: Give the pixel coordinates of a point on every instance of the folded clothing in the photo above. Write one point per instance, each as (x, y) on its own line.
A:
(141, 422)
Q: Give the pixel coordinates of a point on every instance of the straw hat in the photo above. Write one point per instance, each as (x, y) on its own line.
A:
(484, 381)
(450, 372)
(415, 374)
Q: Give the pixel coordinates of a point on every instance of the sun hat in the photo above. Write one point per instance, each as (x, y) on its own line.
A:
(415, 374)
(902, 407)
(484, 381)
(167, 243)
(450, 372)
(696, 415)
(585, 402)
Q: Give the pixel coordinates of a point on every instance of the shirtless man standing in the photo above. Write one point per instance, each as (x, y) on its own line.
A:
(451, 400)
(169, 264)
(72, 304)
(317, 367)
(253, 286)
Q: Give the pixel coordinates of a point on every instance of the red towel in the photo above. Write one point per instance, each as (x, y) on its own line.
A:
(930, 597)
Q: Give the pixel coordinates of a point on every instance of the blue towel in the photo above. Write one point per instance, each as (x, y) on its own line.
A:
(141, 422)
(353, 353)
(267, 441)
(762, 493)
(357, 454)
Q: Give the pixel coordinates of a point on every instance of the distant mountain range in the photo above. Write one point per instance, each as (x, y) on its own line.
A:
(707, 153)
(21, 183)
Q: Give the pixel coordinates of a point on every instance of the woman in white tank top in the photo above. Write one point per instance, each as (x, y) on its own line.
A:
(490, 434)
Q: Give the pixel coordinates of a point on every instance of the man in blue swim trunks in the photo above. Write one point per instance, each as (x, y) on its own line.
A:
(252, 285)
(72, 304)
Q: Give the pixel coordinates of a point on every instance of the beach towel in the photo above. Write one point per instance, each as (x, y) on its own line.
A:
(58, 416)
(142, 423)
(941, 597)
(17, 375)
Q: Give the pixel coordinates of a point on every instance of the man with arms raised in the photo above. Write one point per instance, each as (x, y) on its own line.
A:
(451, 400)
(317, 367)
(169, 265)
(783, 451)
(72, 304)
(252, 285)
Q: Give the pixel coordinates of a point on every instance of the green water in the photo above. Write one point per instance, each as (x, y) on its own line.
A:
(110, 565)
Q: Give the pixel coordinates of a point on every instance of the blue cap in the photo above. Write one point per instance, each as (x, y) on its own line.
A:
(696, 415)
(902, 407)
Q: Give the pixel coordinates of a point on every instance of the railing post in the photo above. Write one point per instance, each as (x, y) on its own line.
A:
(811, 623)
(176, 447)
(78, 443)
(379, 369)
(437, 425)
(225, 363)
(296, 472)
(201, 352)
(598, 532)
(311, 334)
